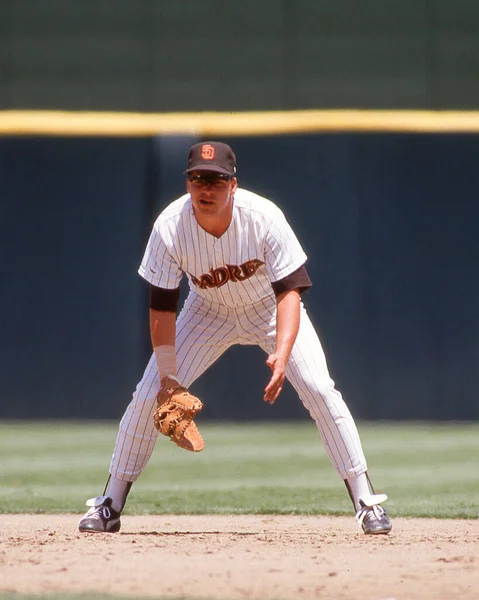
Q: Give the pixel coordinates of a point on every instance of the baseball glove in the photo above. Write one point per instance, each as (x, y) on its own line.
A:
(175, 413)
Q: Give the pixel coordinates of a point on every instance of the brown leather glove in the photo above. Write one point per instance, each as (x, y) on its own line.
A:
(175, 413)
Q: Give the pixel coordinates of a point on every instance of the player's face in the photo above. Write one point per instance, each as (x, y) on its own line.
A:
(211, 193)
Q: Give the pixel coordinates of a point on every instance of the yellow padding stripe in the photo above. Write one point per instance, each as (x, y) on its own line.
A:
(209, 124)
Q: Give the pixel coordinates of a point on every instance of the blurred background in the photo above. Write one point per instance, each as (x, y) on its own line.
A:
(387, 216)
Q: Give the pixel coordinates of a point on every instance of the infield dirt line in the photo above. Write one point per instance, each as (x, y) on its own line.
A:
(259, 557)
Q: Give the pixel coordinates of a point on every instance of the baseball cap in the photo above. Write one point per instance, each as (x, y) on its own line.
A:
(212, 156)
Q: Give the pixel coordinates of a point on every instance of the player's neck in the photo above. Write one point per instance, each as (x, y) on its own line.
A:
(213, 225)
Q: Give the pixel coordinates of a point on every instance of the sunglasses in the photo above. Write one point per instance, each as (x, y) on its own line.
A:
(217, 180)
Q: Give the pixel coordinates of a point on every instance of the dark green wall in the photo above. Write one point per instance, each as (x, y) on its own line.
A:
(167, 55)
(389, 223)
(73, 218)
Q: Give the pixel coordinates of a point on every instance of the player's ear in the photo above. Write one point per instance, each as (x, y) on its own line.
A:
(235, 184)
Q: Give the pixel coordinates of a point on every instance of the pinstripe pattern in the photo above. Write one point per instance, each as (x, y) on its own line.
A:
(204, 331)
(242, 310)
(258, 230)
(307, 371)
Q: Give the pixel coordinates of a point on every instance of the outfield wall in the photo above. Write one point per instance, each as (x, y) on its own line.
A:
(388, 220)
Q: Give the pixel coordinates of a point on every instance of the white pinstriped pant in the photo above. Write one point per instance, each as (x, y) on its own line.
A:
(204, 330)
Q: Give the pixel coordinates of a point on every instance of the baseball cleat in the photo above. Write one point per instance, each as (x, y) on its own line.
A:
(372, 517)
(101, 518)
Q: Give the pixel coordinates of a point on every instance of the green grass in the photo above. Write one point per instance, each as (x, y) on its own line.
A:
(427, 470)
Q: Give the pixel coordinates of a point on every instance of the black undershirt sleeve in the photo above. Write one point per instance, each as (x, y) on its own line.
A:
(163, 299)
(298, 279)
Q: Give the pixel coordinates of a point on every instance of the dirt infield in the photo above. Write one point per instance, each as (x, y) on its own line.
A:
(237, 557)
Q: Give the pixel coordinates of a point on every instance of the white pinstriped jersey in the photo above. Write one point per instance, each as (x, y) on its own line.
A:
(258, 248)
(232, 302)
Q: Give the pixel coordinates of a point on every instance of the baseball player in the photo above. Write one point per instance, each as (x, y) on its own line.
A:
(246, 272)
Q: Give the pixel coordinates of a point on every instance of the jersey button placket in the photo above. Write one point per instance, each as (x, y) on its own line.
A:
(217, 253)
(219, 259)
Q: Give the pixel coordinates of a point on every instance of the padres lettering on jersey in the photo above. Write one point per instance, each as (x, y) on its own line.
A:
(221, 275)
(237, 269)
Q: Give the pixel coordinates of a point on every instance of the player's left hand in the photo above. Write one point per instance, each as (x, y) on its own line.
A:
(278, 365)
